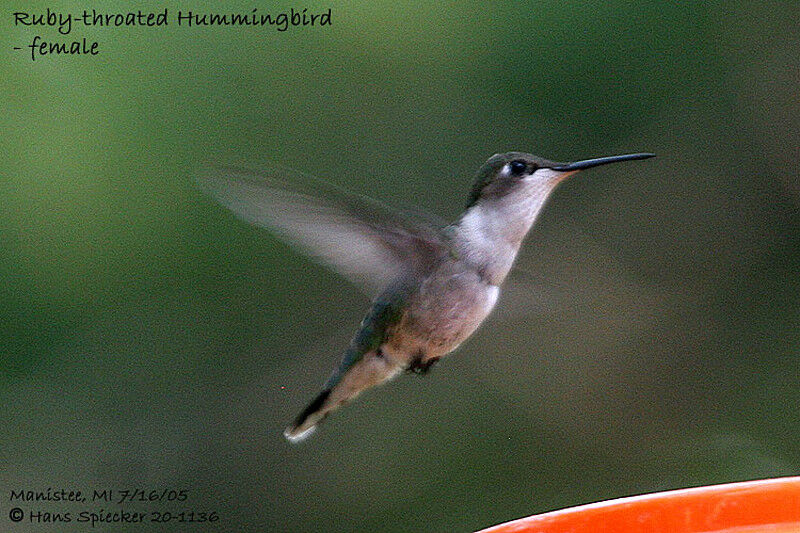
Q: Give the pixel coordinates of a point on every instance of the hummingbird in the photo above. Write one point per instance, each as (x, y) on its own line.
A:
(432, 283)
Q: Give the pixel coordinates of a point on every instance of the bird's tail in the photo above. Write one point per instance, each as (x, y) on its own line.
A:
(353, 377)
(306, 422)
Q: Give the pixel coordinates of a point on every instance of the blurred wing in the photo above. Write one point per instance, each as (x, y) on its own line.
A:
(360, 238)
(526, 294)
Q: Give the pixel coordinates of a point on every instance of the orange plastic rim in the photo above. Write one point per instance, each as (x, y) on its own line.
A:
(771, 505)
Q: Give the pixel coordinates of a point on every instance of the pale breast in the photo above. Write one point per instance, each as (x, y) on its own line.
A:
(445, 311)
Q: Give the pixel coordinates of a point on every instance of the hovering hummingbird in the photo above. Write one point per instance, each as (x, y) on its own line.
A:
(433, 283)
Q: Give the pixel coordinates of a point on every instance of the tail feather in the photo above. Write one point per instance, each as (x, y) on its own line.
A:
(352, 378)
(305, 424)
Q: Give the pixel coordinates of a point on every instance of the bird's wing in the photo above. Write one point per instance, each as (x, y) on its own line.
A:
(360, 238)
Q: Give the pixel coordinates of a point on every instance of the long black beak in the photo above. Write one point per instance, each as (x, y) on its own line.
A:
(589, 163)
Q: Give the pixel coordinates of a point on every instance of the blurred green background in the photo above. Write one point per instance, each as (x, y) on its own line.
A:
(150, 339)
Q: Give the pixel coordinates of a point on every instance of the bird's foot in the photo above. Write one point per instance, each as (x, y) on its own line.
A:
(420, 366)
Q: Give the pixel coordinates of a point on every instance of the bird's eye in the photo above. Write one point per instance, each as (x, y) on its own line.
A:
(517, 168)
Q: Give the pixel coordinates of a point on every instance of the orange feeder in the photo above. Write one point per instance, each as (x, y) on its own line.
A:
(768, 505)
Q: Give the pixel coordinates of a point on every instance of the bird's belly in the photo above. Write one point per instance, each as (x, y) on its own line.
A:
(436, 325)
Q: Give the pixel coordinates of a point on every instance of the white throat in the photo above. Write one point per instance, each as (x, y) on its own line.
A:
(490, 232)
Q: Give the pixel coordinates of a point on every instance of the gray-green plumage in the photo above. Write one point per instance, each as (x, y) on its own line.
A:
(385, 312)
(435, 283)
(487, 172)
